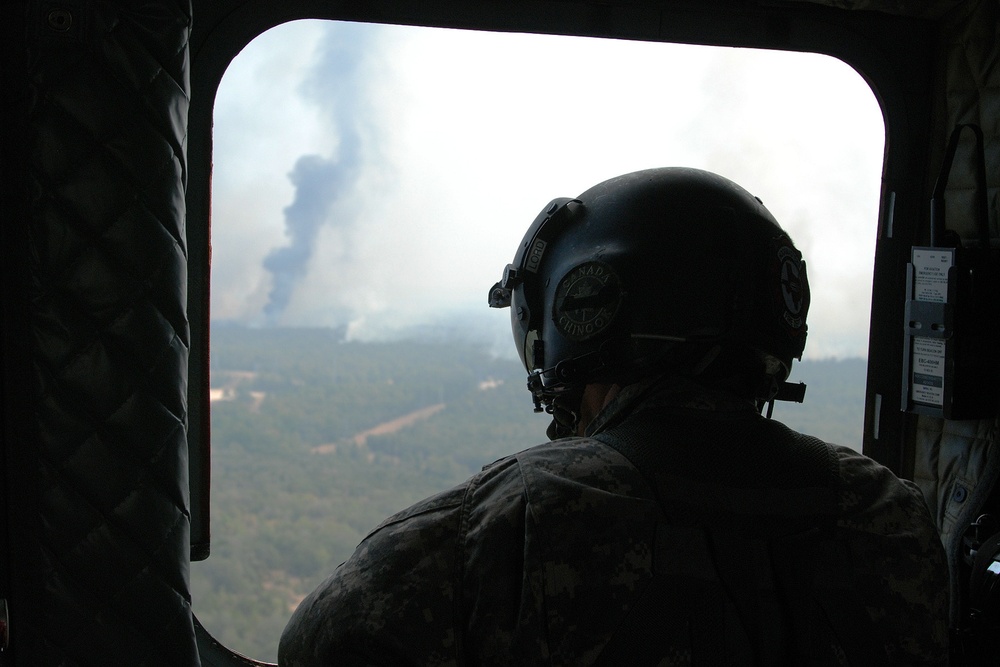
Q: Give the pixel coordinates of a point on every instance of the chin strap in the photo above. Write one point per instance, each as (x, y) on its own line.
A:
(555, 430)
(564, 420)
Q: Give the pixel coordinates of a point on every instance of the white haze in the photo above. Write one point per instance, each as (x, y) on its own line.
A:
(420, 156)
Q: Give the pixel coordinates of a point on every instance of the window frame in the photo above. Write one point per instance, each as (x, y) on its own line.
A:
(893, 54)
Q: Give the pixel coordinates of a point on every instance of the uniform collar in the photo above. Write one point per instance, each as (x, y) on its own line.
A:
(667, 391)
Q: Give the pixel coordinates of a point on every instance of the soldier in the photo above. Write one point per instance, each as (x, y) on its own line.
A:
(669, 522)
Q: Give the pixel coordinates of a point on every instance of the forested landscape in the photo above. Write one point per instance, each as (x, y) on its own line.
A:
(315, 440)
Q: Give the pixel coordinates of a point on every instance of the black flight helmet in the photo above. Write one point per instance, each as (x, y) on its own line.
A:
(610, 286)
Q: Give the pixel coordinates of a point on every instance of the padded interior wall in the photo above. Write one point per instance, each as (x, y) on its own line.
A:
(101, 436)
(957, 463)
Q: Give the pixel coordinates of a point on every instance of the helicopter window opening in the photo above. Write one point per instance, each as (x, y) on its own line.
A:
(370, 184)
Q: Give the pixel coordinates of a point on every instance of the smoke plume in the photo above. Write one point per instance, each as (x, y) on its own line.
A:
(337, 85)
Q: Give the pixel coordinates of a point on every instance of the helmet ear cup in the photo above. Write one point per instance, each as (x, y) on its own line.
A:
(780, 323)
(587, 300)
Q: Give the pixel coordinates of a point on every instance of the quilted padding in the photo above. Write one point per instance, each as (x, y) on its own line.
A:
(972, 95)
(107, 123)
(918, 8)
(957, 463)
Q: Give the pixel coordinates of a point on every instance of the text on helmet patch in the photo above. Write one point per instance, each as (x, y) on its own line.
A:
(587, 300)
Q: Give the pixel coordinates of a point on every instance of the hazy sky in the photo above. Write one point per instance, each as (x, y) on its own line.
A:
(382, 177)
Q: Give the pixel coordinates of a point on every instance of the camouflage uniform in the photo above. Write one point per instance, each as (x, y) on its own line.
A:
(735, 540)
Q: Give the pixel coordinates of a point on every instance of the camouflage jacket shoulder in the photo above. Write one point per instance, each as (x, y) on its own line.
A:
(542, 557)
(447, 577)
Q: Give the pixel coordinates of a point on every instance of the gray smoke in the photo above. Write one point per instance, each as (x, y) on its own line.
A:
(336, 84)
(319, 182)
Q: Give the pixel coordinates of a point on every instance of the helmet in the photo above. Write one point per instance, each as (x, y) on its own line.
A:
(624, 279)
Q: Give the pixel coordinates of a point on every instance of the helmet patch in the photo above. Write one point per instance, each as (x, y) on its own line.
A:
(794, 289)
(586, 301)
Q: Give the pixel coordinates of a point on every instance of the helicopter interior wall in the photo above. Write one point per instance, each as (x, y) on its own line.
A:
(100, 149)
(96, 335)
(957, 463)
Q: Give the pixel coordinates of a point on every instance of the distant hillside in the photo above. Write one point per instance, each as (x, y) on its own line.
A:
(315, 440)
(834, 408)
